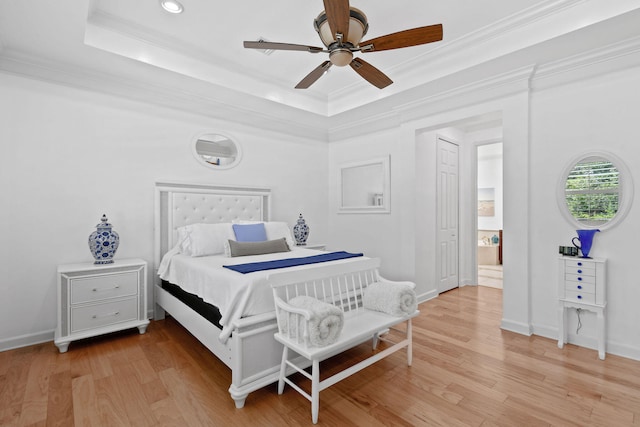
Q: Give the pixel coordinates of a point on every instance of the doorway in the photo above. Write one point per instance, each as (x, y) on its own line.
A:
(489, 214)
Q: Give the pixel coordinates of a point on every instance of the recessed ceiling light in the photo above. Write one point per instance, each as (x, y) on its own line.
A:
(171, 6)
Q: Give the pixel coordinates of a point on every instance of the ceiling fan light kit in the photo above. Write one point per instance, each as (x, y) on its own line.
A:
(341, 29)
(340, 57)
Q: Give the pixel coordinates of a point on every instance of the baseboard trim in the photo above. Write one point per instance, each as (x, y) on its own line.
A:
(615, 348)
(427, 296)
(26, 340)
(517, 327)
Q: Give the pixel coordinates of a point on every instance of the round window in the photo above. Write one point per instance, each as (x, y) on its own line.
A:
(595, 191)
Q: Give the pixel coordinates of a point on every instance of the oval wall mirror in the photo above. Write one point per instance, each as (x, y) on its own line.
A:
(595, 191)
(216, 150)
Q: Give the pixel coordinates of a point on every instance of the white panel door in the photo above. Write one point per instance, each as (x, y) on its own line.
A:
(447, 215)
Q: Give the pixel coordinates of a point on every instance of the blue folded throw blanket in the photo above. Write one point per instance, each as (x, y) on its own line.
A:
(290, 262)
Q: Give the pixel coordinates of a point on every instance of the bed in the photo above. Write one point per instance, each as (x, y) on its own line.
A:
(236, 325)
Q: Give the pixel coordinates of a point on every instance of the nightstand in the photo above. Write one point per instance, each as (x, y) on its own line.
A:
(318, 246)
(582, 285)
(99, 299)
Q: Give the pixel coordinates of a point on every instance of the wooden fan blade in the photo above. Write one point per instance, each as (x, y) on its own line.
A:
(281, 46)
(338, 14)
(370, 73)
(313, 76)
(406, 38)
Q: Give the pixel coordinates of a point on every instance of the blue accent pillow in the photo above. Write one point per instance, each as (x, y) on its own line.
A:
(250, 232)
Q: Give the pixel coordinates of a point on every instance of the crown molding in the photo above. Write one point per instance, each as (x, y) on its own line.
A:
(116, 35)
(223, 103)
(495, 87)
(538, 24)
(615, 57)
(210, 101)
(447, 57)
(498, 86)
(369, 124)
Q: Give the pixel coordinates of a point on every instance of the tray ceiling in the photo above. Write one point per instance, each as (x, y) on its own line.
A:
(138, 39)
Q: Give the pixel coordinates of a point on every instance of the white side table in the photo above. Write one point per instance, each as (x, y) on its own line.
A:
(98, 299)
(582, 285)
(318, 246)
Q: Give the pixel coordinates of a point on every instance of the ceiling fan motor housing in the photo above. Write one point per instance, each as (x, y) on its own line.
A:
(358, 27)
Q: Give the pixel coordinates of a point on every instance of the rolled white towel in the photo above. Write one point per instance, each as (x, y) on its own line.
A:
(391, 298)
(324, 326)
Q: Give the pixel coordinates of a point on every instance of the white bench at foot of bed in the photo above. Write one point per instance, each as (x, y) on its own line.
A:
(343, 287)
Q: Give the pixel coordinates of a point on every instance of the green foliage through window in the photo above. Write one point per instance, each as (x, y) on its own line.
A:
(592, 191)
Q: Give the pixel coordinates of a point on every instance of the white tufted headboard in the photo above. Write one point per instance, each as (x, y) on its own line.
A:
(179, 204)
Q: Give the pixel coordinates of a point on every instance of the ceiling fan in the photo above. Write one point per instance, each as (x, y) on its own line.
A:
(341, 29)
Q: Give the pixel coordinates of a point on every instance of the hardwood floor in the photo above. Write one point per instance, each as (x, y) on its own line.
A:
(466, 372)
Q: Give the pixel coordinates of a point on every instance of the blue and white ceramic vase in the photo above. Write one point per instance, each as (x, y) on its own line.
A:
(301, 231)
(103, 243)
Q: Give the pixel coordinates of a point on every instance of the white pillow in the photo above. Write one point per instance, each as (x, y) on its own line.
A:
(204, 239)
(275, 230)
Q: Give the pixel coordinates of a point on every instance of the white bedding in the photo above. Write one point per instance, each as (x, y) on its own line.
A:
(236, 295)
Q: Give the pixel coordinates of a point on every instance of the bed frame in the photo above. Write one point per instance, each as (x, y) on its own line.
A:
(252, 353)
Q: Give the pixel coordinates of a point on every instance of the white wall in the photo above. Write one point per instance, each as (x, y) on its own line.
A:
(68, 156)
(542, 131)
(597, 114)
(377, 235)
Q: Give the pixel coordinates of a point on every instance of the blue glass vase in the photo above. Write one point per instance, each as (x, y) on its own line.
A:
(104, 242)
(585, 239)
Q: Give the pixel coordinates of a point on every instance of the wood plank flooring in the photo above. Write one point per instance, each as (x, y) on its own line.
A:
(466, 372)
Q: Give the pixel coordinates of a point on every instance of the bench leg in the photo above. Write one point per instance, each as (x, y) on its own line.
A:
(283, 369)
(409, 344)
(315, 391)
(376, 339)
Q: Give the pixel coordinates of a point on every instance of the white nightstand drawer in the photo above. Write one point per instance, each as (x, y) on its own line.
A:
(98, 315)
(578, 278)
(578, 263)
(585, 297)
(98, 288)
(580, 287)
(584, 271)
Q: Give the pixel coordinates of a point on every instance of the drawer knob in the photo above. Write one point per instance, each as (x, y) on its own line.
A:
(579, 263)
(580, 279)
(579, 296)
(579, 271)
(579, 286)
